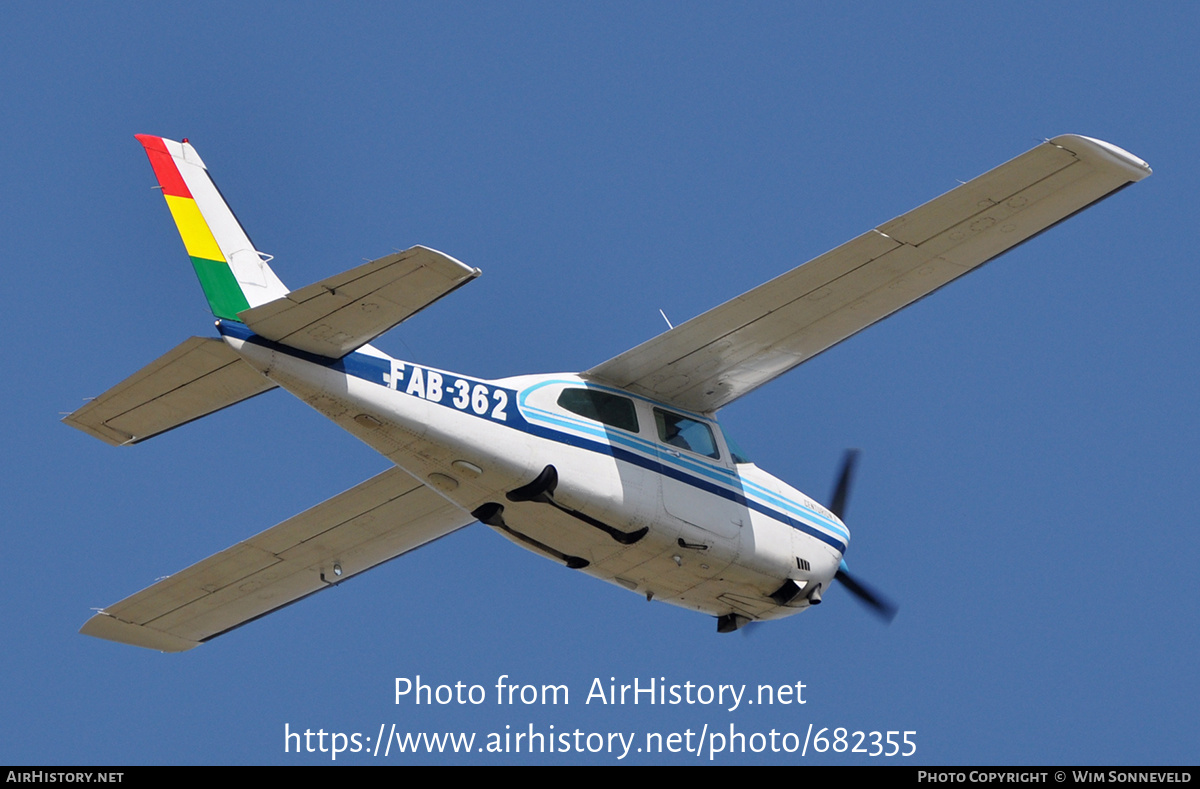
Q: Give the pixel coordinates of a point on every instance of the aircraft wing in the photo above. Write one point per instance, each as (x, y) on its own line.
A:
(388, 515)
(194, 379)
(718, 356)
(335, 316)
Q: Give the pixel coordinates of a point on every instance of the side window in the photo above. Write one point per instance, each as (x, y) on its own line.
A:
(679, 431)
(610, 409)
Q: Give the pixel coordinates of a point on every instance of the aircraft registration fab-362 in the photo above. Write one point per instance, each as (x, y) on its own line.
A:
(620, 472)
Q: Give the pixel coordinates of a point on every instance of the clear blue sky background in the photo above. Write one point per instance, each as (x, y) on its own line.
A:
(1029, 434)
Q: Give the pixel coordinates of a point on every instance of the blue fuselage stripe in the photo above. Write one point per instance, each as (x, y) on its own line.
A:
(659, 467)
(373, 369)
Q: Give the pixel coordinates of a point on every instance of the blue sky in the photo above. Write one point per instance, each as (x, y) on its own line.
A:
(1029, 434)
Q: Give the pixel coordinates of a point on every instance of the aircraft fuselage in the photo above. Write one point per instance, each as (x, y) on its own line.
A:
(625, 489)
(620, 472)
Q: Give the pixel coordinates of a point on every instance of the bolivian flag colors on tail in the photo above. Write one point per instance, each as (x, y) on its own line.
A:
(233, 274)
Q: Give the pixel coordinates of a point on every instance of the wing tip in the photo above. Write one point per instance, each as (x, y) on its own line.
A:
(108, 627)
(1090, 147)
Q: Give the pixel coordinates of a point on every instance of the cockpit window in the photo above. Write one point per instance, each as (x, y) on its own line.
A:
(604, 407)
(679, 431)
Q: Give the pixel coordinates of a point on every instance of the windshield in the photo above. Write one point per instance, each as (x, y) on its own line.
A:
(739, 456)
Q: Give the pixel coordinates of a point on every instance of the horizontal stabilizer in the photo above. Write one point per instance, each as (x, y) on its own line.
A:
(388, 515)
(196, 378)
(337, 315)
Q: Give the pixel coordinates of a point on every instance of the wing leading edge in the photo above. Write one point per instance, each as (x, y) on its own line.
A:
(732, 349)
(388, 515)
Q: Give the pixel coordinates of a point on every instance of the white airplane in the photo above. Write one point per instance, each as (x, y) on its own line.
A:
(621, 472)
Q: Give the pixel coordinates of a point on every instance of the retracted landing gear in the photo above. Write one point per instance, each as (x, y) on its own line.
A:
(541, 490)
(730, 622)
(788, 592)
(493, 515)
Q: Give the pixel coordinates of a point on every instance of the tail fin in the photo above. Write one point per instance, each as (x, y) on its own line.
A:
(234, 275)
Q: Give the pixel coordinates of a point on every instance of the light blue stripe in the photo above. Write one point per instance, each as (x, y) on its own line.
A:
(687, 464)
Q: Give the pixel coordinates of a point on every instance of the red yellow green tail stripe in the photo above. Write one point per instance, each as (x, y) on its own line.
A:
(231, 272)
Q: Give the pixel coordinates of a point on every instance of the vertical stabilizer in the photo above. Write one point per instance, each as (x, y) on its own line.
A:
(234, 275)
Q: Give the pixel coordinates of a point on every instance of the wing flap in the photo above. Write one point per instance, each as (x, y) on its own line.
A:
(380, 519)
(335, 316)
(194, 379)
(732, 349)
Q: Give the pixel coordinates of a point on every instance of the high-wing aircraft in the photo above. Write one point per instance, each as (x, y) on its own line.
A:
(621, 471)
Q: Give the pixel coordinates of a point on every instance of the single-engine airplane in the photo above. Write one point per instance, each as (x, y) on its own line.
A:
(620, 472)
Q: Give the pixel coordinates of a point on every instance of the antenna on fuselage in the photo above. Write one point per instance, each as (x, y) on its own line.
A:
(665, 318)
